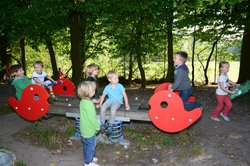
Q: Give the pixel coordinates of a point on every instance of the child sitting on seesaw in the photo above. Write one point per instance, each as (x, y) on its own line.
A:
(39, 76)
(115, 92)
(181, 80)
(20, 81)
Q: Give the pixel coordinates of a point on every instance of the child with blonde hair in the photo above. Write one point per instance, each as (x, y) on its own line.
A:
(116, 93)
(222, 94)
(39, 76)
(89, 125)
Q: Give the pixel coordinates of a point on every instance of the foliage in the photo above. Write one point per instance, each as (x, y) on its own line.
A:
(115, 33)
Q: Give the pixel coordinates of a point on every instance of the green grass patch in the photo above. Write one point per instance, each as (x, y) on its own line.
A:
(20, 163)
(50, 135)
(183, 144)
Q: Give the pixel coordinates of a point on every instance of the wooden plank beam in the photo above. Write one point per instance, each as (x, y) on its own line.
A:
(133, 114)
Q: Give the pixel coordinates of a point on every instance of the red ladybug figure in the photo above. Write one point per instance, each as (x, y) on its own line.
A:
(33, 104)
(168, 114)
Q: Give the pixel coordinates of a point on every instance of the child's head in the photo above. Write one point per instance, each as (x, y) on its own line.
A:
(38, 66)
(180, 57)
(17, 70)
(113, 77)
(224, 67)
(92, 69)
(86, 89)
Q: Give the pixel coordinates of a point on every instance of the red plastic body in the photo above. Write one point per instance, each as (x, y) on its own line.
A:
(67, 87)
(173, 117)
(33, 104)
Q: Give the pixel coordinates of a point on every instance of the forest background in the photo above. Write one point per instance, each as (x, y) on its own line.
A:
(136, 38)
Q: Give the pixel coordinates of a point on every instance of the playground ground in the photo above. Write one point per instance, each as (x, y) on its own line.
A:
(207, 142)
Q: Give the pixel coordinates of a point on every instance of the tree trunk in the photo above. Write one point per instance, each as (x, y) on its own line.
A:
(5, 58)
(22, 47)
(130, 75)
(193, 52)
(82, 35)
(170, 18)
(52, 58)
(244, 73)
(75, 38)
(139, 53)
(208, 60)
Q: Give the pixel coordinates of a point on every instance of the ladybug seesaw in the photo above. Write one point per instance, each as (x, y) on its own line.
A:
(33, 104)
(167, 110)
(166, 107)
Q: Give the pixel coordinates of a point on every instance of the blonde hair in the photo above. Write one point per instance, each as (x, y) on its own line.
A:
(86, 89)
(111, 73)
(90, 68)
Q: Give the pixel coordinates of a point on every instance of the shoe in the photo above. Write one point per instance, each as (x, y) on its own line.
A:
(215, 119)
(103, 128)
(95, 159)
(91, 164)
(52, 97)
(201, 107)
(224, 117)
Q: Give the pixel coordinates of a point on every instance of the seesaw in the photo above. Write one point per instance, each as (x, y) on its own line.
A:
(170, 118)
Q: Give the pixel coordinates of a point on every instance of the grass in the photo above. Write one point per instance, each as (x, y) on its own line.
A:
(20, 163)
(51, 136)
(182, 143)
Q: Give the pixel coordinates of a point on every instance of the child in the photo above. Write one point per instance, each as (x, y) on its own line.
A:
(39, 76)
(181, 80)
(20, 81)
(92, 72)
(222, 93)
(60, 73)
(116, 93)
(88, 122)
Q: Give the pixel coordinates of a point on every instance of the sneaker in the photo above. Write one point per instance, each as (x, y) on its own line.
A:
(224, 117)
(91, 164)
(52, 97)
(95, 159)
(103, 128)
(215, 119)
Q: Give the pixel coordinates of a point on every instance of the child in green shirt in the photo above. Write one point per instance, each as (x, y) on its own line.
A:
(20, 81)
(89, 125)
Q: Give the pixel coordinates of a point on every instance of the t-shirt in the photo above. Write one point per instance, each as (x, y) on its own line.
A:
(41, 76)
(88, 121)
(114, 93)
(20, 83)
(225, 81)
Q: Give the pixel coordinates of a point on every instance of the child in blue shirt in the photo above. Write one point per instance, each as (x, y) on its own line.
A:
(115, 92)
(181, 80)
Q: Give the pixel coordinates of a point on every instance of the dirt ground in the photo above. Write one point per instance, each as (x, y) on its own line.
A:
(221, 143)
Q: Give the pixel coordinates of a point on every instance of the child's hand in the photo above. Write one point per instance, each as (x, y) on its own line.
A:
(127, 107)
(233, 92)
(170, 87)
